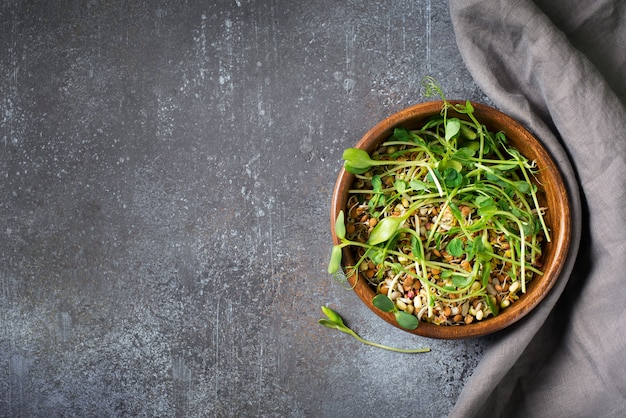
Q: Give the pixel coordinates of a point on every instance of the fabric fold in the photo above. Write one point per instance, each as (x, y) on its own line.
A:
(565, 358)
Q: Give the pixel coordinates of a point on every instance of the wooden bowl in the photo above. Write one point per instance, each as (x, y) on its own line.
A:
(557, 218)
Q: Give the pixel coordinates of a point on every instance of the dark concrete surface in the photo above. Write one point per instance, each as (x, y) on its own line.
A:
(166, 171)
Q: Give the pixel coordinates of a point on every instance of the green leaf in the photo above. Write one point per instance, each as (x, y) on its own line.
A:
(372, 204)
(433, 176)
(401, 134)
(501, 138)
(445, 274)
(468, 133)
(505, 166)
(455, 247)
(464, 154)
(531, 227)
(400, 186)
(354, 170)
(332, 315)
(522, 186)
(340, 226)
(383, 303)
(418, 185)
(473, 145)
(438, 238)
(453, 127)
(485, 250)
(497, 180)
(477, 246)
(493, 304)
(471, 249)
(446, 163)
(385, 229)
(487, 211)
(357, 158)
(416, 247)
(406, 321)
(485, 274)
(452, 177)
(335, 260)
(462, 281)
(330, 324)
(518, 213)
(376, 254)
(504, 206)
(482, 200)
(377, 184)
(513, 152)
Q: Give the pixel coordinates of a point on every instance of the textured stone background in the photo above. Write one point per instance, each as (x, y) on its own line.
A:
(165, 179)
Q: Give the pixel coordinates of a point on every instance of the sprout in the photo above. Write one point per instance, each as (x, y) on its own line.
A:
(334, 321)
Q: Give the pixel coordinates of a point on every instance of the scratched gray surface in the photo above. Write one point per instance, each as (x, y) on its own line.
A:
(165, 179)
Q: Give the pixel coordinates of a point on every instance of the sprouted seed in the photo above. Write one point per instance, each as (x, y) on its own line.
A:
(334, 321)
(443, 220)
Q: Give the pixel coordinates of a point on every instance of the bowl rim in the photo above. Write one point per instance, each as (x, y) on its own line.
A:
(559, 215)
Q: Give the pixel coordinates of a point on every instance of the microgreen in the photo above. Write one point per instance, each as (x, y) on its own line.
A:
(448, 205)
(335, 260)
(385, 229)
(357, 158)
(453, 127)
(385, 304)
(334, 321)
(455, 247)
(340, 227)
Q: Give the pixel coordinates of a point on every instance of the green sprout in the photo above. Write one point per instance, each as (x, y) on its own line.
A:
(334, 321)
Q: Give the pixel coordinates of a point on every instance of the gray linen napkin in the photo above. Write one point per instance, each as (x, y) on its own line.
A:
(559, 67)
